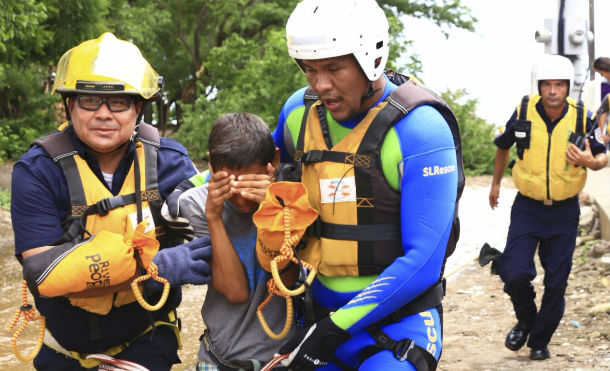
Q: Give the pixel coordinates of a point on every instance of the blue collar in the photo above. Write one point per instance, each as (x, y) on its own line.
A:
(550, 125)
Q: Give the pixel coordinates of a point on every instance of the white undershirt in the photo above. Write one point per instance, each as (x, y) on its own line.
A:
(108, 179)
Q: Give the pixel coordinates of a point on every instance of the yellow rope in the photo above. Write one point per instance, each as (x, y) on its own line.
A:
(276, 286)
(151, 272)
(29, 314)
(259, 313)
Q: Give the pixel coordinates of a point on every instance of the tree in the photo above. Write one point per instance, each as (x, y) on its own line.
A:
(216, 56)
(220, 56)
(33, 35)
(478, 149)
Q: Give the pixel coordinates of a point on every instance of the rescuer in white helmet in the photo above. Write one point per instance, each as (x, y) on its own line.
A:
(554, 150)
(382, 166)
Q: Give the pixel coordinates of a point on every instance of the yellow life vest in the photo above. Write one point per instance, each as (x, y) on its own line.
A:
(333, 188)
(358, 229)
(542, 172)
(92, 201)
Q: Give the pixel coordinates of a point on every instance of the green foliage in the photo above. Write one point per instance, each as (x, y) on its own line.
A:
(478, 150)
(25, 110)
(5, 199)
(584, 249)
(33, 36)
(21, 33)
(243, 82)
(217, 56)
(71, 22)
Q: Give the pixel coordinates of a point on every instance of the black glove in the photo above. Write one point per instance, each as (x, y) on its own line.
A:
(290, 172)
(174, 224)
(314, 347)
(177, 226)
(489, 254)
(173, 206)
(185, 263)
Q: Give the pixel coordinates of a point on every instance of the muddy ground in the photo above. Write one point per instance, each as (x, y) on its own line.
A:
(477, 317)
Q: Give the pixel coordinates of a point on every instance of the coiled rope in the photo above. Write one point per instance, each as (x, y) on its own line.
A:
(29, 315)
(152, 271)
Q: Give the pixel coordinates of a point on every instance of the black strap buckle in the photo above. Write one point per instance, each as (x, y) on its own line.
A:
(314, 155)
(103, 206)
(402, 348)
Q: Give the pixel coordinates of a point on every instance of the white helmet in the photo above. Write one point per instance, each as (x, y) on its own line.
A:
(319, 29)
(554, 67)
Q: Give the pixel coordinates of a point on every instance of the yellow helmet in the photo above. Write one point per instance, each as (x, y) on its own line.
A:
(106, 65)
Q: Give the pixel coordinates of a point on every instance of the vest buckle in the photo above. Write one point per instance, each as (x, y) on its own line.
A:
(548, 202)
(402, 348)
(103, 206)
(314, 155)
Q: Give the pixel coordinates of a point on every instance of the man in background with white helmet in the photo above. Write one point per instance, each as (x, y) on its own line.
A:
(554, 151)
(85, 208)
(380, 165)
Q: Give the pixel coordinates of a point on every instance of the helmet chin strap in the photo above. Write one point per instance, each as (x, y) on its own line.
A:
(64, 99)
(369, 93)
(138, 120)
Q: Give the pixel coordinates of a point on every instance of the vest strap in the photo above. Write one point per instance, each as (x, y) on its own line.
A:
(354, 159)
(523, 109)
(309, 98)
(406, 349)
(324, 126)
(580, 112)
(172, 320)
(403, 350)
(432, 297)
(523, 128)
(366, 232)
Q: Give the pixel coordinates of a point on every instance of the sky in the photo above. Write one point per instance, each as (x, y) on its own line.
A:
(494, 62)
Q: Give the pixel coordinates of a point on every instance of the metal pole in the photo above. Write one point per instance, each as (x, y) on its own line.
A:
(592, 44)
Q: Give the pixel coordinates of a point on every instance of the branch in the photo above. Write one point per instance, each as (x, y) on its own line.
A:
(179, 35)
(201, 16)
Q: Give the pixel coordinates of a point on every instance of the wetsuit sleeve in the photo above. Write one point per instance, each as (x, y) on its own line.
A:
(288, 124)
(428, 194)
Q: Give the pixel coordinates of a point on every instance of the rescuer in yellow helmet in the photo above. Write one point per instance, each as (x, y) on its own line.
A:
(78, 195)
